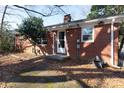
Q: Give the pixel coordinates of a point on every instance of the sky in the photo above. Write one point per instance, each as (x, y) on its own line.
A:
(16, 15)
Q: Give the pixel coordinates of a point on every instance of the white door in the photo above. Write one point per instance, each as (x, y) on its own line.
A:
(61, 42)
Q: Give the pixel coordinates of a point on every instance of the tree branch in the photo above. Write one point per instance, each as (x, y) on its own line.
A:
(27, 13)
(59, 6)
(13, 14)
(32, 10)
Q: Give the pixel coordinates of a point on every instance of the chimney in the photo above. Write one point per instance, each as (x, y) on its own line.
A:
(67, 18)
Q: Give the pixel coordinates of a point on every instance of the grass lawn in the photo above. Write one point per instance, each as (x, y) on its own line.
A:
(25, 70)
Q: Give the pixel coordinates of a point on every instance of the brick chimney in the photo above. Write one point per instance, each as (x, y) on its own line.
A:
(67, 18)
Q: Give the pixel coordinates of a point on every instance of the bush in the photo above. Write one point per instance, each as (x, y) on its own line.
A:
(6, 47)
(7, 43)
(7, 38)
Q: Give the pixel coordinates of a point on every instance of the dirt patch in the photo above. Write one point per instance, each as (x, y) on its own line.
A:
(25, 70)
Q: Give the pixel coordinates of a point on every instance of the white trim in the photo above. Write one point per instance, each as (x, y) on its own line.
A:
(106, 20)
(92, 33)
(112, 44)
(112, 41)
(119, 18)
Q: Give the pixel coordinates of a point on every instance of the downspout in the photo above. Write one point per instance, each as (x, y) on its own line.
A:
(112, 45)
(78, 44)
(53, 43)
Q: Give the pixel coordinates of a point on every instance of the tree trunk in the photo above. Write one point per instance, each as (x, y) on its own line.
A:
(1, 27)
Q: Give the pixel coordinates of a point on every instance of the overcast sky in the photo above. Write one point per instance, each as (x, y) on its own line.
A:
(77, 12)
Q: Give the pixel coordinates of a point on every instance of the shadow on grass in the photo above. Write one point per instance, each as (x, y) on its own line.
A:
(40, 64)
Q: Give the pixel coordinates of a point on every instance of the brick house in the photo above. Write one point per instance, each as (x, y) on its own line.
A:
(84, 38)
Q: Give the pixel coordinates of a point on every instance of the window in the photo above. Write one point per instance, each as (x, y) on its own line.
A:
(42, 39)
(87, 34)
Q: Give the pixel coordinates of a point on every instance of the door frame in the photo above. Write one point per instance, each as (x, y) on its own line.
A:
(64, 41)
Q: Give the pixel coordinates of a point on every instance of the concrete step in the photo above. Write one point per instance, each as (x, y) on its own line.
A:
(57, 57)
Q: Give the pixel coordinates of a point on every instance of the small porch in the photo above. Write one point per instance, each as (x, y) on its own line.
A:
(57, 57)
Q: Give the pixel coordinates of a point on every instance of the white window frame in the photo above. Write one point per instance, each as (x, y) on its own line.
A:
(83, 35)
(42, 40)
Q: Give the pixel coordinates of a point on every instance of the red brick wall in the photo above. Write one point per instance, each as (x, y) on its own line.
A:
(72, 35)
(21, 43)
(49, 43)
(101, 45)
(49, 46)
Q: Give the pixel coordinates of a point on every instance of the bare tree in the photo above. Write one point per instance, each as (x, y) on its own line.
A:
(52, 11)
